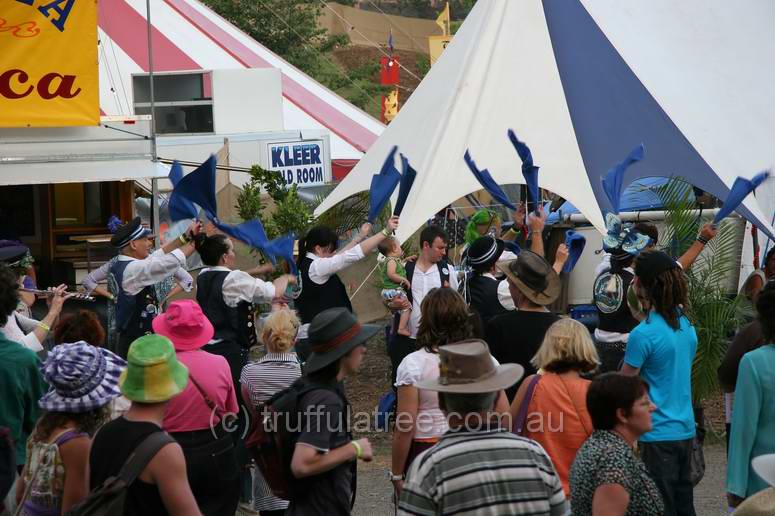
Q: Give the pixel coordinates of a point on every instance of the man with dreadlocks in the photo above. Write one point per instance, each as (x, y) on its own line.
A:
(661, 349)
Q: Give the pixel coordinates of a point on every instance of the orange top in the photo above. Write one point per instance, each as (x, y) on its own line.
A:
(558, 420)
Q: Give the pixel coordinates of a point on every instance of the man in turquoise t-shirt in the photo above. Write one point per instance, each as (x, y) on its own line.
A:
(661, 349)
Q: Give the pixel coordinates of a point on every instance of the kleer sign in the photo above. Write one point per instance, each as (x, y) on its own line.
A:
(48, 63)
(304, 162)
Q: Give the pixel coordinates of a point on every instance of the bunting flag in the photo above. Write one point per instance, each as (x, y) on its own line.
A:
(283, 247)
(182, 207)
(407, 180)
(575, 243)
(740, 190)
(488, 183)
(383, 185)
(198, 188)
(529, 171)
(613, 181)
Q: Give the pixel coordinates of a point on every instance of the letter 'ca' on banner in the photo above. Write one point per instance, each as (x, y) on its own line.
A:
(49, 73)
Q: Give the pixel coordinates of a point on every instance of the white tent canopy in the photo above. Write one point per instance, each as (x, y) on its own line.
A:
(693, 84)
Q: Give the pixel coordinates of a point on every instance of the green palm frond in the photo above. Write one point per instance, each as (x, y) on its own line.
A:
(351, 213)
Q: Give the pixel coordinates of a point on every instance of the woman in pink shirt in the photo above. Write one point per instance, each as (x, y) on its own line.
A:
(200, 418)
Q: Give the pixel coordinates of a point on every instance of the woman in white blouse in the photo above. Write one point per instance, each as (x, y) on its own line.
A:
(319, 261)
(419, 420)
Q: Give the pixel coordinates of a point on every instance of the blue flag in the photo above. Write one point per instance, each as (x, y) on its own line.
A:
(407, 180)
(283, 247)
(198, 187)
(740, 190)
(575, 243)
(383, 185)
(488, 183)
(613, 181)
(180, 208)
(529, 170)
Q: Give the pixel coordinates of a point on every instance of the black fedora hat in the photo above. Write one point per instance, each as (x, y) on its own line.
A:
(332, 334)
(484, 252)
(533, 276)
(132, 230)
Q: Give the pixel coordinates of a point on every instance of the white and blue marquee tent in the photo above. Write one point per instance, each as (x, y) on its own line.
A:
(582, 82)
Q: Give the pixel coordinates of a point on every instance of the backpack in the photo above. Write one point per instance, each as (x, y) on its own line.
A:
(386, 410)
(109, 498)
(272, 436)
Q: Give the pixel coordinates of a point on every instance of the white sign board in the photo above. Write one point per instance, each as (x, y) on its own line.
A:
(302, 162)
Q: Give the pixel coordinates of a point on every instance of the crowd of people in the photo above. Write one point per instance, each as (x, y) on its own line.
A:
(502, 406)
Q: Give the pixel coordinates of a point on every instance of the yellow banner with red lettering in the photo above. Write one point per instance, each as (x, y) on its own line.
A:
(49, 73)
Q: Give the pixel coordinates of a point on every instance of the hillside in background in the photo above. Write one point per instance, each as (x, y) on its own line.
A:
(349, 66)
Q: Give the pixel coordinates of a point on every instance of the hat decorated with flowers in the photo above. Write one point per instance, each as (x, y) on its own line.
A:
(81, 378)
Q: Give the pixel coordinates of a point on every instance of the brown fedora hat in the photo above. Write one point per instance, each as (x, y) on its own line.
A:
(332, 334)
(533, 276)
(468, 367)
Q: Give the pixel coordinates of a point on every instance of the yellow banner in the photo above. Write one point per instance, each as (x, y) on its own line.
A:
(49, 74)
(437, 44)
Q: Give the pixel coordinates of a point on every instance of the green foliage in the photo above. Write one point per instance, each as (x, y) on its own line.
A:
(249, 204)
(423, 65)
(289, 28)
(290, 213)
(713, 312)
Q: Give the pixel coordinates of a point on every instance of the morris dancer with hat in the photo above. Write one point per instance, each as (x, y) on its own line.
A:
(325, 451)
(135, 273)
(479, 466)
(487, 291)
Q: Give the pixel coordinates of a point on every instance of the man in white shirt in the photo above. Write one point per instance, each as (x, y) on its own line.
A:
(431, 270)
(132, 277)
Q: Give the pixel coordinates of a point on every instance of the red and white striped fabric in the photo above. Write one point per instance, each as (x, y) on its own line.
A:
(189, 36)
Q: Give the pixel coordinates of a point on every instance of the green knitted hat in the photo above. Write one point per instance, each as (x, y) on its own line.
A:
(153, 373)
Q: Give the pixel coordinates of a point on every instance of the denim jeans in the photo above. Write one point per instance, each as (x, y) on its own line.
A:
(669, 464)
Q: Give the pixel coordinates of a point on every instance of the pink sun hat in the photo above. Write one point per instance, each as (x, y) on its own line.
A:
(185, 325)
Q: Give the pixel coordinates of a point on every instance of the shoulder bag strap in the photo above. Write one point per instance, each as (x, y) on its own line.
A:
(209, 402)
(142, 455)
(575, 407)
(519, 423)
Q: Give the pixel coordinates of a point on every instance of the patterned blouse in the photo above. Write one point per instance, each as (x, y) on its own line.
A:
(606, 458)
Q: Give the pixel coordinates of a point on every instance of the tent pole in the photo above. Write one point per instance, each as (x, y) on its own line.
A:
(155, 223)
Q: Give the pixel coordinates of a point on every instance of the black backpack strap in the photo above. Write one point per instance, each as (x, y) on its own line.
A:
(139, 459)
(409, 267)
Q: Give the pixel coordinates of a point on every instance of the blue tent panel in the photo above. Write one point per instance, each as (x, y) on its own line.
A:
(612, 111)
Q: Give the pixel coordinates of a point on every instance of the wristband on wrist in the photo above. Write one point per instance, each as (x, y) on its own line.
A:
(358, 449)
(44, 326)
(387, 232)
(394, 477)
(183, 239)
(701, 239)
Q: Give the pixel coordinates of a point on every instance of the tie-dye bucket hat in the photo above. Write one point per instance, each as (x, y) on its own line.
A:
(153, 373)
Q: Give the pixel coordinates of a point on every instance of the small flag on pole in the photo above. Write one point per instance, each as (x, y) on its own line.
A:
(443, 20)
